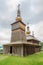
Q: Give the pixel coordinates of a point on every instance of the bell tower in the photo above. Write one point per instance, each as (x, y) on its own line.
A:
(18, 28)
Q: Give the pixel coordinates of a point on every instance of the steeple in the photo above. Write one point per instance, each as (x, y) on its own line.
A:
(18, 12)
(18, 18)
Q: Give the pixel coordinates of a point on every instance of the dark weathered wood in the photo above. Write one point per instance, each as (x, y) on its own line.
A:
(22, 50)
(18, 32)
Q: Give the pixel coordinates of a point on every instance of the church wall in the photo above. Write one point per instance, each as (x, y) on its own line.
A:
(21, 50)
(23, 36)
(15, 35)
(15, 26)
(30, 49)
(37, 49)
(18, 35)
(17, 50)
(6, 49)
(22, 26)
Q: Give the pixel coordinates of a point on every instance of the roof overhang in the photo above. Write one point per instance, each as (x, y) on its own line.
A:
(21, 43)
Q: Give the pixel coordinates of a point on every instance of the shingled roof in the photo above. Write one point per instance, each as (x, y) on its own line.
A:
(30, 37)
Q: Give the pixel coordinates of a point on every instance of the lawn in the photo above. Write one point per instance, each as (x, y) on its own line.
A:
(35, 59)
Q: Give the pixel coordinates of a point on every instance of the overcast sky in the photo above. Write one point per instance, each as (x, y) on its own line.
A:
(31, 12)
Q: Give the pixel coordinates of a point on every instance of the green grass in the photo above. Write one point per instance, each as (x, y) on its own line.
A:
(35, 59)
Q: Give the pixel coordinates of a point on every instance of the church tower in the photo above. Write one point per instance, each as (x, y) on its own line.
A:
(18, 28)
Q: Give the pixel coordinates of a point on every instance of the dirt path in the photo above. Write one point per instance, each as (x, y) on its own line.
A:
(3, 57)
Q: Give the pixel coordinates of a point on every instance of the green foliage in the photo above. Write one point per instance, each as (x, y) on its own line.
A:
(1, 51)
(41, 43)
(35, 59)
(42, 46)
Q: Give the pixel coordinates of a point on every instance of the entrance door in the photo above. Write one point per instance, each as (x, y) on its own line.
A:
(10, 49)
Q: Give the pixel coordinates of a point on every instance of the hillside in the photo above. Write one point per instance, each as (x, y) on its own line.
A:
(35, 59)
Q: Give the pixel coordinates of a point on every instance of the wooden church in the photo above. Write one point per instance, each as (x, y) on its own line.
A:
(22, 43)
